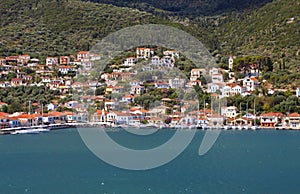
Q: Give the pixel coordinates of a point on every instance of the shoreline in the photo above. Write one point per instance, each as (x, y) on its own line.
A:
(8, 131)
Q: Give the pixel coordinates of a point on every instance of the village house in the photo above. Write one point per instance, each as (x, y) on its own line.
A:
(86, 65)
(135, 83)
(130, 61)
(293, 120)
(233, 89)
(99, 116)
(71, 104)
(23, 60)
(214, 87)
(66, 69)
(16, 82)
(237, 90)
(162, 85)
(177, 83)
(164, 62)
(5, 84)
(172, 53)
(94, 57)
(156, 112)
(51, 61)
(110, 104)
(194, 83)
(155, 121)
(12, 60)
(270, 119)
(217, 78)
(83, 55)
(250, 83)
(138, 90)
(229, 112)
(214, 71)
(123, 117)
(64, 60)
(4, 120)
(144, 53)
(138, 112)
(197, 73)
(56, 117)
(128, 98)
(33, 63)
(215, 120)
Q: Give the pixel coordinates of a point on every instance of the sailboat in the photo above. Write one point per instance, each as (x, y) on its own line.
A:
(240, 127)
(32, 130)
(42, 128)
(253, 127)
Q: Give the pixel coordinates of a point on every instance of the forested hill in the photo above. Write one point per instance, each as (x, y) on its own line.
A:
(62, 27)
(58, 27)
(188, 7)
(273, 30)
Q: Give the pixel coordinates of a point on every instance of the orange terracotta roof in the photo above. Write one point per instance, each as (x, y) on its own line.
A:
(83, 52)
(295, 114)
(99, 112)
(55, 114)
(272, 114)
(254, 79)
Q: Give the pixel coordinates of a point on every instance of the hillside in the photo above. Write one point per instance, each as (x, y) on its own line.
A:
(59, 27)
(56, 27)
(272, 31)
(187, 7)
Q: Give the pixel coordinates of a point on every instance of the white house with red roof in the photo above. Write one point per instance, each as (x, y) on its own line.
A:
(130, 61)
(144, 53)
(270, 119)
(250, 83)
(64, 60)
(293, 120)
(51, 61)
(16, 82)
(83, 55)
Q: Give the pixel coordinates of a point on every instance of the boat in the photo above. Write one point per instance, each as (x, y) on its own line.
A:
(26, 131)
(227, 127)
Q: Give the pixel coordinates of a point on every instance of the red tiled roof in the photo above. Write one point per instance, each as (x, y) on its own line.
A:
(83, 52)
(272, 114)
(295, 114)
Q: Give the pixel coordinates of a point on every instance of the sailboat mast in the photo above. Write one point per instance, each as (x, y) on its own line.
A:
(247, 114)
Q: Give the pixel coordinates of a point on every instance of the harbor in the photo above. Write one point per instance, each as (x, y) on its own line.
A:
(46, 128)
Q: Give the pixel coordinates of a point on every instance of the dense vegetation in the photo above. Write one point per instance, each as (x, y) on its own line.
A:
(186, 7)
(62, 27)
(18, 98)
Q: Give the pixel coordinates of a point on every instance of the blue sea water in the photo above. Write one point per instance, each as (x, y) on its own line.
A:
(240, 162)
